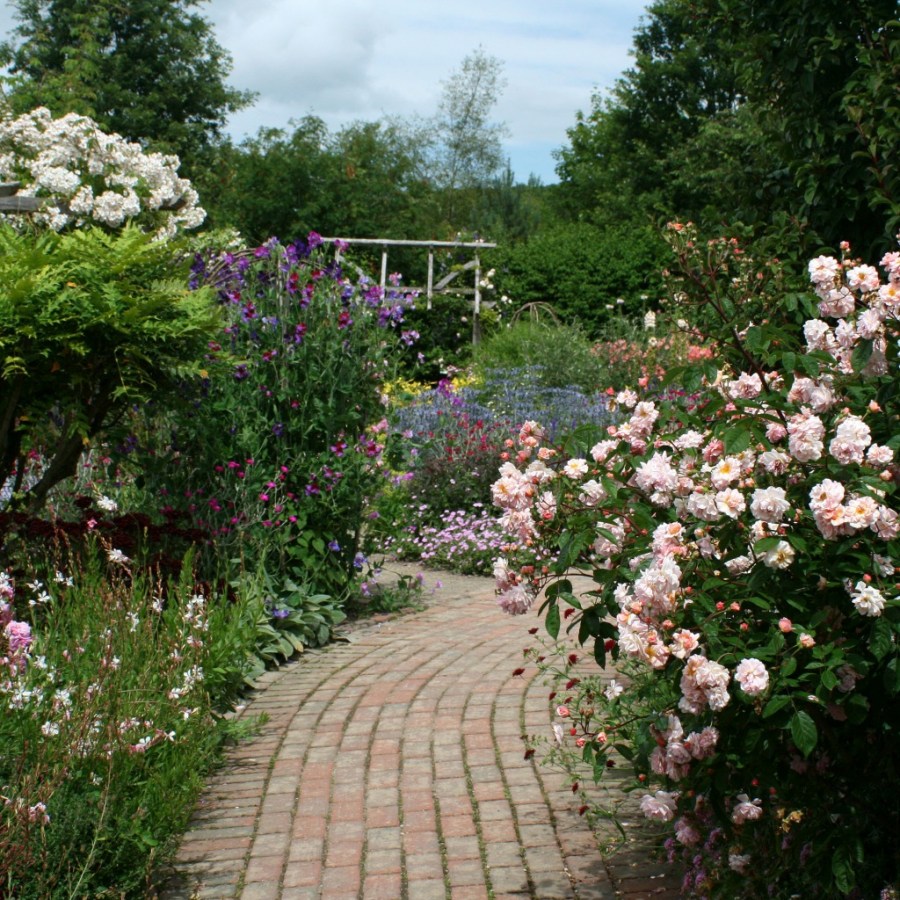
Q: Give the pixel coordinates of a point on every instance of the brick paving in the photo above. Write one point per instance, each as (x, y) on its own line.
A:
(392, 767)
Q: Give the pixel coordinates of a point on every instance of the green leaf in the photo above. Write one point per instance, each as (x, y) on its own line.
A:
(552, 621)
(861, 355)
(775, 704)
(765, 544)
(892, 676)
(737, 439)
(880, 638)
(589, 626)
(600, 652)
(842, 869)
(803, 732)
(555, 590)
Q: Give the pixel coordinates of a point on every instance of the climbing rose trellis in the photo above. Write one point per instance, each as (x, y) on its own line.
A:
(742, 550)
(88, 176)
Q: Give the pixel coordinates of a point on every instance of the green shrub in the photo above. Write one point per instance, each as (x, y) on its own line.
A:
(90, 324)
(581, 270)
(445, 338)
(561, 354)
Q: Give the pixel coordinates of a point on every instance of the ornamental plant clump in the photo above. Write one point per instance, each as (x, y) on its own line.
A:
(279, 452)
(109, 685)
(742, 552)
(90, 177)
(465, 541)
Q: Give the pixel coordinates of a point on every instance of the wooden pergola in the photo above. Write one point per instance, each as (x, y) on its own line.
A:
(430, 288)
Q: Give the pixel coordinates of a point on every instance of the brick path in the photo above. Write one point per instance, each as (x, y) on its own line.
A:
(393, 767)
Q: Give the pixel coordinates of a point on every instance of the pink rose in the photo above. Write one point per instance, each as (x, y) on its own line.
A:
(19, 636)
(752, 676)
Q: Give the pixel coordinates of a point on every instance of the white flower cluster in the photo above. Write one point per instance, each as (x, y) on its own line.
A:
(88, 176)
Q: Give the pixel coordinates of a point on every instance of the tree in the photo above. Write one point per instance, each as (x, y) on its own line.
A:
(506, 211)
(150, 70)
(366, 180)
(778, 116)
(468, 149)
(377, 183)
(822, 79)
(619, 164)
(270, 184)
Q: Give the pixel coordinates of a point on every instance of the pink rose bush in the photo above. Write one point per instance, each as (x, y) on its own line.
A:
(741, 553)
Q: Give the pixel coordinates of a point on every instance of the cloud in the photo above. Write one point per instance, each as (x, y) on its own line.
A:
(362, 59)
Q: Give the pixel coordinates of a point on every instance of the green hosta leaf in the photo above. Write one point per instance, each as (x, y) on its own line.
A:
(803, 732)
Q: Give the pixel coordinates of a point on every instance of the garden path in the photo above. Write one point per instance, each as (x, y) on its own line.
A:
(392, 766)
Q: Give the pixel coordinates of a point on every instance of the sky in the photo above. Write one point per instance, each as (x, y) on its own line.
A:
(350, 60)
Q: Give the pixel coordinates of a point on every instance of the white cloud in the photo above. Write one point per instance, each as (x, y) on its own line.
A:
(361, 59)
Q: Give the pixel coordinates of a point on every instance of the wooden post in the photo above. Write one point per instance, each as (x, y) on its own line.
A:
(476, 316)
(430, 289)
(384, 267)
(11, 203)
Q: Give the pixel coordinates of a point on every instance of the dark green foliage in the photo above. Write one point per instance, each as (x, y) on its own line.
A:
(445, 335)
(366, 180)
(582, 270)
(821, 78)
(782, 118)
(618, 166)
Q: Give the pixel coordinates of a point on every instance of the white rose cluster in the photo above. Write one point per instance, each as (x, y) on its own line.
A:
(87, 175)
